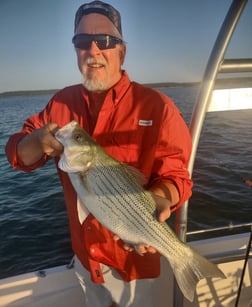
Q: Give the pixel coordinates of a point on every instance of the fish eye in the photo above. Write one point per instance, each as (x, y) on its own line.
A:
(78, 137)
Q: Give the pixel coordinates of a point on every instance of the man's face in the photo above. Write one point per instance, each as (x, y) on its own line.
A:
(101, 69)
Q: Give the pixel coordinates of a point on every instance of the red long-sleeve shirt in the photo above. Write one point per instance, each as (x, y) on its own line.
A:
(136, 125)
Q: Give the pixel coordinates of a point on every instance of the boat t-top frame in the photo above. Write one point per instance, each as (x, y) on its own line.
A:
(216, 65)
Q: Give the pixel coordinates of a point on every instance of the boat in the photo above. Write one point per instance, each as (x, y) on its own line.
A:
(58, 286)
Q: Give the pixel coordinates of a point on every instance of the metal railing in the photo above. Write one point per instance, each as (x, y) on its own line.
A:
(218, 229)
(216, 64)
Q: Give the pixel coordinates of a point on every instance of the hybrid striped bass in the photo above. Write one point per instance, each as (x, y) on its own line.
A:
(113, 194)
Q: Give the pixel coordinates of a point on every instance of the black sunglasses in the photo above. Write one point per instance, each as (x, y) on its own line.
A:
(103, 41)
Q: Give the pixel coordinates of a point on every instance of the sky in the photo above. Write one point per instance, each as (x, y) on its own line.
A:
(167, 40)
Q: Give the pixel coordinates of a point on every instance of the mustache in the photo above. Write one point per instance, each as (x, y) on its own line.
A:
(93, 60)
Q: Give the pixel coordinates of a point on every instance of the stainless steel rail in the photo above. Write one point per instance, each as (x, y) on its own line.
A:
(212, 69)
(236, 66)
(223, 228)
(215, 65)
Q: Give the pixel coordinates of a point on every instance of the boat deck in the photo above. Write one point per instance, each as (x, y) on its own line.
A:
(59, 286)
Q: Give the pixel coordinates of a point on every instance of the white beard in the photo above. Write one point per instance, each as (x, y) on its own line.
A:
(90, 81)
(94, 85)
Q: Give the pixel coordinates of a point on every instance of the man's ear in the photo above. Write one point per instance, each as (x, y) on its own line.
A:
(122, 53)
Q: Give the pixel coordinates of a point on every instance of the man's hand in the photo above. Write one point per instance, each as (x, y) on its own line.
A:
(163, 213)
(39, 142)
(50, 145)
(163, 207)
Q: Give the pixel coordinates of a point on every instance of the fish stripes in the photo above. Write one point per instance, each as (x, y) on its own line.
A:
(120, 192)
(112, 193)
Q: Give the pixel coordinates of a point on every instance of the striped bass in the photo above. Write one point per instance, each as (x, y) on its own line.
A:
(113, 194)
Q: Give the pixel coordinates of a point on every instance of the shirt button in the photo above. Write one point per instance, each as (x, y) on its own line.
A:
(92, 250)
(97, 272)
(89, 228)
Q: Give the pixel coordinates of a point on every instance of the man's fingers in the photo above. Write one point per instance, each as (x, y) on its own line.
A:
(139, 248)
(164, 215)
(163, 208)
(51, 146)
(142, 249)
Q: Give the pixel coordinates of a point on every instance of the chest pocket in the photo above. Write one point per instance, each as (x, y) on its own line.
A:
(134, 147)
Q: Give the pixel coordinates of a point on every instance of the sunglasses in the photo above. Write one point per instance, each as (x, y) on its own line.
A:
(103, 41)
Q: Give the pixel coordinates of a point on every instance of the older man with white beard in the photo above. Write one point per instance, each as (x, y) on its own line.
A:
(134, 124)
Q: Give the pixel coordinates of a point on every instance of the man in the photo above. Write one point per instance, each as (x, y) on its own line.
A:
(135, 125)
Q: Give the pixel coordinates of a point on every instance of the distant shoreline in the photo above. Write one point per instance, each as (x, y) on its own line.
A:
(28, 93)
(228, 82)
(53, 91)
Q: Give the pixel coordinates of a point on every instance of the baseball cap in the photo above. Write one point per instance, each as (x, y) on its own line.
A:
(99, 7)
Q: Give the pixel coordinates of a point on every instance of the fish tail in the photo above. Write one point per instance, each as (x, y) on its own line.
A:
(188, 273)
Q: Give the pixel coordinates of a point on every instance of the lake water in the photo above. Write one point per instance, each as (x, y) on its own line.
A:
(33, 221)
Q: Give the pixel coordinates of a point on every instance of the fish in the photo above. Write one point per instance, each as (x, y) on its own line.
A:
(113, 192)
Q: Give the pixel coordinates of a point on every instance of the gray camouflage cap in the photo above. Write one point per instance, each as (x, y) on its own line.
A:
(99, 7)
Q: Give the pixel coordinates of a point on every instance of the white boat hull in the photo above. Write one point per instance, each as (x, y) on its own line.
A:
(59, 286)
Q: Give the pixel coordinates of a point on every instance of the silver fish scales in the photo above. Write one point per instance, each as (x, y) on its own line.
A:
(113, 193)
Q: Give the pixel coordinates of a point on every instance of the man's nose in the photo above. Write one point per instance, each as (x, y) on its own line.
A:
(94, 49)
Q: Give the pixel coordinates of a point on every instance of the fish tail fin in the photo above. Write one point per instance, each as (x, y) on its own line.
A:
(188, 273)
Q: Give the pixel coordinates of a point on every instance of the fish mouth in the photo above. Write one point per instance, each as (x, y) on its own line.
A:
(64, 132)
(68, 165)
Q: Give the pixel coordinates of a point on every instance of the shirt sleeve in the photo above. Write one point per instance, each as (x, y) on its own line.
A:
(173, 153)
(34, 122)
